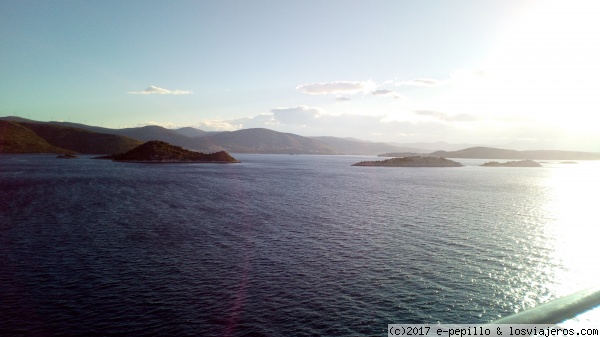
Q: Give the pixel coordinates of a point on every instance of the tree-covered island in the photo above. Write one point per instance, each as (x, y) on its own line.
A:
(162, 152)
(415, 161)
(521, 163)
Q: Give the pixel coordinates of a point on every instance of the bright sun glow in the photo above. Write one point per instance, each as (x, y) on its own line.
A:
(545, 67)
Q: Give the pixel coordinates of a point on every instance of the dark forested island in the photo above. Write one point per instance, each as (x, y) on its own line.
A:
(415, 161)
(161, 152)
(521, 163)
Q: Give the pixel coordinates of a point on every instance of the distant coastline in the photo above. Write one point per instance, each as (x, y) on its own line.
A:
(20, 135)
(481, 152)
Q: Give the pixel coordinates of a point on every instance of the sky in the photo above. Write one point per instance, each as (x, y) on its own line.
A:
(520, 74)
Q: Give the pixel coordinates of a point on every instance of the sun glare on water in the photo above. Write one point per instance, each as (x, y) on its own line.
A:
(573, 223)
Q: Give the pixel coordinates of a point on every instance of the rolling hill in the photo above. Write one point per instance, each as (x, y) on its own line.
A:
(260, 140)
(357, 147)
(69, 139)
(80, 140)
(481, 152)
(193, 132)
(97, 140)
(15, 138)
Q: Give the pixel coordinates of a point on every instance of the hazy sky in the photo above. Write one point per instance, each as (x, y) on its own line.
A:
(519, 73)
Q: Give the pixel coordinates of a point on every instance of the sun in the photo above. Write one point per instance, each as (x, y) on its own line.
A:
(544, 67)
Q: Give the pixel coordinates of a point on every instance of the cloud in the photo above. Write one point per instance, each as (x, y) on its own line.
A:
(382, 92)
(300, 115)
(447, 117)
(342, 99)
(337, 87)
(386, 92)
(421, 82)
(167, 125)
(160, 91)
(218, 125)
(264, 120)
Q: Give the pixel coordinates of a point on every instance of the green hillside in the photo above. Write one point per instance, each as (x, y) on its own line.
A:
(15, 138)
(80, 140)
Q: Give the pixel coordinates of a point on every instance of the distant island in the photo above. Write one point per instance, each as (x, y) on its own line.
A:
(415, 161)
(521, 163)
(67, 156)
(162, 152)
(481, 152)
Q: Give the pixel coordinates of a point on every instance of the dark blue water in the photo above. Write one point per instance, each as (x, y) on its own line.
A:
(280, 245)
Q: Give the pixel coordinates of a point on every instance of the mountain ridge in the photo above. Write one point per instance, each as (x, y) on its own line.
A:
(482, 152)
(84, 138)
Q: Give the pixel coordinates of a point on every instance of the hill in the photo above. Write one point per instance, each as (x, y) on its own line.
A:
(241, 141)
(162, 152)
(493, 153)
(142, 134)
(71, 136)
(155, 132)
(193, 132)
(80, 140)
(426, 147)
(15, 138)
(260, 140)
(357, 147)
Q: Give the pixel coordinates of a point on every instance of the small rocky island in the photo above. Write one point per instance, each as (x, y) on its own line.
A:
(67, 156)
(162, 152)
(415, 161)
(521, 163)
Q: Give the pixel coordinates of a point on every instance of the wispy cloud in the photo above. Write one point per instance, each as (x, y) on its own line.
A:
(337, 87)
(421, 82)
(300, 115)
(446, 117)
(154, 90)
(342, 99)
(386, 92)
(219, 125)
(167, 125)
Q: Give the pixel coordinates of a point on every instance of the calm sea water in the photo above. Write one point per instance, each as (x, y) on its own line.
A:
(284, 245)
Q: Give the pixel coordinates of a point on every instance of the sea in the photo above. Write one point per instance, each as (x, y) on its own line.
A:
(286, 245)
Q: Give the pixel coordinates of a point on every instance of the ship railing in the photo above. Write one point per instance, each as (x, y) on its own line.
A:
(558, 310)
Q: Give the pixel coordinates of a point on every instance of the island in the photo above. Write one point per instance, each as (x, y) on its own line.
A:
(67, 156)
(521, 163)
(162, 152)
(415, 161)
